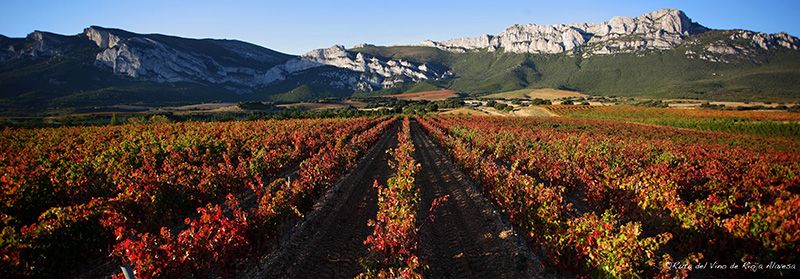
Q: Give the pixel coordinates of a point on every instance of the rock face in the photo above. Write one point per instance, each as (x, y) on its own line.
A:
(239, 66)
(738, 45)
(170, 59)
(375, 72)
(102, 37)
(657, 30)
(765, 41)
(663, 29)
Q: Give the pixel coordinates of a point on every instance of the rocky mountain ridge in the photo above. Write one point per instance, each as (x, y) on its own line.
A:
(239, 66)
(376, 72)
(659, 30)
(658, 54)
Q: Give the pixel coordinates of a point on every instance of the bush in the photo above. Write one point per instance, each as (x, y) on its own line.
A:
(652, 103)
(501, 106)
(540, 102)
(711, 106)
(114, 120)
(159, 119)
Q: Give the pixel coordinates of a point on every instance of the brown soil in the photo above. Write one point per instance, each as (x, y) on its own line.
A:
(436, 95)
(330, 241)
(464, 110)
(468, 238)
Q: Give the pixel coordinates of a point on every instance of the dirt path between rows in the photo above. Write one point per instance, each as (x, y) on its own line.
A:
(329, 241)
(469, 238)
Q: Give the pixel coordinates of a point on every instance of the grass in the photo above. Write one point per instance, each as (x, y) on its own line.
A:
(533, 93)
(760, 123)
(767, 76)
(513, 94)
(435, 95)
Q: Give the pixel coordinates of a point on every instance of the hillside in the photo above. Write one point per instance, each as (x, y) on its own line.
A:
(48, 73)
(655, 74)
(663, 54)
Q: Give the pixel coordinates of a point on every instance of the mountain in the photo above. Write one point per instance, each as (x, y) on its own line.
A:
(103, 66)
(659, 30)
(664, 29)
(663, 54)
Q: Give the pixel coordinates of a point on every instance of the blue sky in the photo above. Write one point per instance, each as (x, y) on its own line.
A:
(299, 26)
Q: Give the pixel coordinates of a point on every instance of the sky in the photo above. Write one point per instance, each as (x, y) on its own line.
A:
(297, 26)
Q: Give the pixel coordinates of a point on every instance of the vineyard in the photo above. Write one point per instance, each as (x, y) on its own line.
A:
(412, 197)
(611, 199)
(759, 123)
(165, 199)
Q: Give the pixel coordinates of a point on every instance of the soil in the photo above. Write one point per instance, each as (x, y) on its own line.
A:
(468, 238)
(464, 110)
(435, 95)
(330, 241)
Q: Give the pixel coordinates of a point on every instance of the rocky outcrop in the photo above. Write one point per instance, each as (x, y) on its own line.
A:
(102, 37)
(463, 44)
(765, 41)
(45, 44)
(376, 72)
(657, 30)
(147, 57)
(238, 66)
(728, 46)
(39, 45)
(175, 60)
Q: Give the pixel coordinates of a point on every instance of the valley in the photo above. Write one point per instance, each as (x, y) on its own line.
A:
(658, 55)
(645, 146)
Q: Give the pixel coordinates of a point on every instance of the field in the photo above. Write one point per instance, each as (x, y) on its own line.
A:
(541, 93)
(466, 111)
(683, 103)
(596, 193)
(168, 199)
(763, 123)
(620, 200)
(534, 111)
(323, 106)
(436, 95)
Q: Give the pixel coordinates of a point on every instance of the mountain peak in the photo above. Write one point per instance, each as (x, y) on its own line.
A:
(674, 20)
(661, 29)
(103, 37)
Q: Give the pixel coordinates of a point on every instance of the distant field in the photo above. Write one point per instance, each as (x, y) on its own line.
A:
(313, 106)
(436, 95)
(320, 106)
(534, 111)
(684, 103)
(464, 110)
(763, 123)
(541, 93)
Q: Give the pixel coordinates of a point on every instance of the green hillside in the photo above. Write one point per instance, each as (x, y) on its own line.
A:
(773, 76)
(70, 81)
